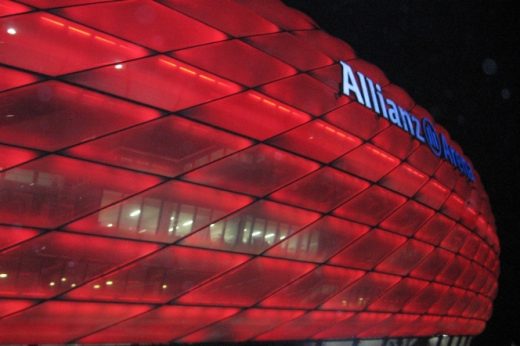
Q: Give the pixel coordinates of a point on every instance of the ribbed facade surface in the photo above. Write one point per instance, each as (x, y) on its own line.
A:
(189, 171)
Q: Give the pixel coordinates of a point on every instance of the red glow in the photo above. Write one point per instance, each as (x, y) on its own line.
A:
(357, 120)
(291, 49)
(398, 295)
(353, 326)
(322, 190)
(171, 77)
(370, 206)
(133, 148)
(317, 140)
(52, 115)
(161, 325)
(15, 235)
(56, 262)
(8, 307)
(395, 141)
(263, 275)
(233, 59)
(251, 114)
(404, 179)
(362, 293)
(53, 56)
(159, 277)
(305, 326)
(61, 322)
(305, 92)
(12, 156)
(368, 162)
(148, 22)
(243, 171)
(332, 46)
(368, 250)
(319, 241)
(243, 326)
(408, 218)
(404, 259)
(163, 214)
(304, 292)
(188, 171)
(236, 20)
(252, 229)
(435, 229)
(64, 180)
(8, 7)
(14, 78)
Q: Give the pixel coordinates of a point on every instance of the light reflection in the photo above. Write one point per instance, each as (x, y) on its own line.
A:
(52, 283)
(3, 275)
(118, 66)
(164, 286)
(11, 31)
(72, 285)
(96, 287)
(153, 217)
(135, 213)
(109, 283)
(64, 279)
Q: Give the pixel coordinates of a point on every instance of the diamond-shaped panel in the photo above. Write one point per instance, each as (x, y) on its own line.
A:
(133, 148)
(148, 20)
(163, 214)
(67, 46)
(53, 115)
(256, 171)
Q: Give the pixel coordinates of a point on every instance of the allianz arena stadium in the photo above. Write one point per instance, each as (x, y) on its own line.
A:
(181, 171)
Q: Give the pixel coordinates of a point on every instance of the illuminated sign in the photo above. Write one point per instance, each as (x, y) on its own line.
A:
(370, 95)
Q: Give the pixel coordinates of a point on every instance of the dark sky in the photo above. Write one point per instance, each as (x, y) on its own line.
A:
(458, 59)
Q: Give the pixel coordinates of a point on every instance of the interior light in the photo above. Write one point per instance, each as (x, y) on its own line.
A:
(187, 223)
(135, 213)
(52, 283)
(109, 283)
(96, 287)
(118, 66)
(11, 31)
(64, 279)
(170, 229)
(72, 285)
(110, 225)
(257, 233)
(3, 275)
(164, 286)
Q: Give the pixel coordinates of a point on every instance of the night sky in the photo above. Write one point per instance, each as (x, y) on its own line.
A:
(458, 59)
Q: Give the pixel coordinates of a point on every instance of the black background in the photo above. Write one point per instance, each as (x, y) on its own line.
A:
(458, 59)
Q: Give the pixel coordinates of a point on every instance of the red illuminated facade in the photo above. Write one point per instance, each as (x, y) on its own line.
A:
(172, 171)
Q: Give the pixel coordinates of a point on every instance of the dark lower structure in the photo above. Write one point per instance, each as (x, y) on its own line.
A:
(224, 171)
